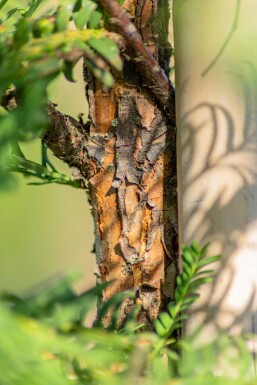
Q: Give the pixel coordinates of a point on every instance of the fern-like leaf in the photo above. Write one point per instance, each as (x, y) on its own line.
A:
(194, 259)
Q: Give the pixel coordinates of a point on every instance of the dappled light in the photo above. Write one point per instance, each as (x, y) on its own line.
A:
(217, 172)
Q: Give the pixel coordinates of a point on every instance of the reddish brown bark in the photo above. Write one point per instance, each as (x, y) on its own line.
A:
(144, 47)
(128, 160)
(132, 179)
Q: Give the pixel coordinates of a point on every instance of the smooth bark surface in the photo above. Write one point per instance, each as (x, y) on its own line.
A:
(217, 153)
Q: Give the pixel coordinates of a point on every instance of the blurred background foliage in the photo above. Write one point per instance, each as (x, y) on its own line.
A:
(45, 340)
(48, 229)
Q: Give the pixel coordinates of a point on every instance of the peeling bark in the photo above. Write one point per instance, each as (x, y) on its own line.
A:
(132, 180)
(144, 47)
(128, 159)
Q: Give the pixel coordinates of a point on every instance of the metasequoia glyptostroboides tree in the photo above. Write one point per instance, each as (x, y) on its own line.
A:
(126, 151)
(129, 161)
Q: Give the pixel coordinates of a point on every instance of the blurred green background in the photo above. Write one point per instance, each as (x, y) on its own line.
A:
(47, 230)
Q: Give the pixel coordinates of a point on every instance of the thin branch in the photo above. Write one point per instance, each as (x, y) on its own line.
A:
(65, 136)
(227, 40)
(29, 168)
(154, 76)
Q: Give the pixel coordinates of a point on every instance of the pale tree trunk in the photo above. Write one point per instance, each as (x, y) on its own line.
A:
(217, 148)
(128, 159)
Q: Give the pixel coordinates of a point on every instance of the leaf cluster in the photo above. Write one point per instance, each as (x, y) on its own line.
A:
(28, 168)
(193, 275)
(39, 39)
(45, 339)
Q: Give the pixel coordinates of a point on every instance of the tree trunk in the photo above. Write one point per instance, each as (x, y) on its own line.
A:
(129, 162)
(217, 150)
(132, 150)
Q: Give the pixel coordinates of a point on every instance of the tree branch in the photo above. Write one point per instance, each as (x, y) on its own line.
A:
(154, 76)
(66, 137)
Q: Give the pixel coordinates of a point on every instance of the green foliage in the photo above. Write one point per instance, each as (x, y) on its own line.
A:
(31, 169)
(45, 340)
(40, 39)
(188, 282)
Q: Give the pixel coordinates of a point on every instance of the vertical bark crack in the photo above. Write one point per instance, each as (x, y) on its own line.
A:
(132, 184)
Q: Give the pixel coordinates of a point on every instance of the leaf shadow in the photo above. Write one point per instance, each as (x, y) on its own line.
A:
(229, 155)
